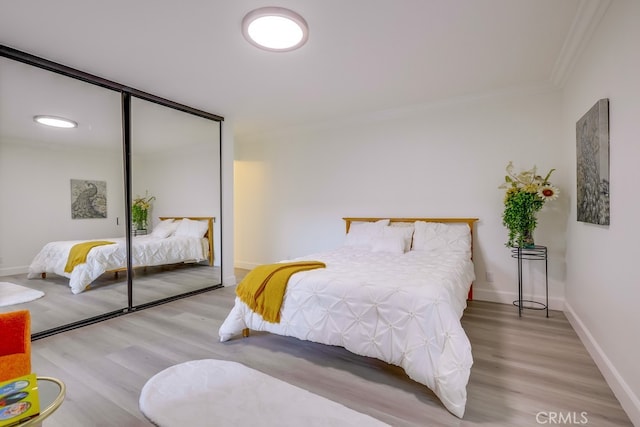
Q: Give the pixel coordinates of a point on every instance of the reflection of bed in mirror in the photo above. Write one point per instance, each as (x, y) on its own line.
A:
(174, 240)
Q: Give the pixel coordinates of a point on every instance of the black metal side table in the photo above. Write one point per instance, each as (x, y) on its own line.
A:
(535, 253)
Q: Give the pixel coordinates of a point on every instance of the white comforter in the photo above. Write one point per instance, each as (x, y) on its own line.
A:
(403, 309)
(146, 251)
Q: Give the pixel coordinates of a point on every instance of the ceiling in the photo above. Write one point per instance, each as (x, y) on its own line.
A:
(362, 55)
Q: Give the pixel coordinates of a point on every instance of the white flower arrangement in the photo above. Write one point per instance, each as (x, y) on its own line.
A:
(526, 193)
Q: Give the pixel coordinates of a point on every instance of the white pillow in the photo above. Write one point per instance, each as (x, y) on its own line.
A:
(390, 244)
(403, 232)
(438, 236)
(191, 228)
(165, 228)
(360, 234)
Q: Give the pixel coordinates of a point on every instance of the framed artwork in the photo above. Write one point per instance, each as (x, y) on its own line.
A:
(592, 152)
(88, 199)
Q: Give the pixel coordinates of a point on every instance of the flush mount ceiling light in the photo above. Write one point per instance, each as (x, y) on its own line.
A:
(58, 122)
(275, 29)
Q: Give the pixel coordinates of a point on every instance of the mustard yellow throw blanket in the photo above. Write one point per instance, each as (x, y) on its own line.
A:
(263, 288)
(78, 253)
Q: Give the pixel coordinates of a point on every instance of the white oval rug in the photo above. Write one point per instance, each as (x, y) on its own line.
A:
(222, 393)
(10, 294)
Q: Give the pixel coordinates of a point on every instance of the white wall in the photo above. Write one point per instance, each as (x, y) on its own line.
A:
(602, 291)
(293, 187)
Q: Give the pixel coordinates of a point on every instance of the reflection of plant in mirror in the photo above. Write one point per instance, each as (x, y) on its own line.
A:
(139, 211)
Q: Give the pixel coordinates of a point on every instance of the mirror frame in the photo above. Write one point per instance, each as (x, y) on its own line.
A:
(126, 93)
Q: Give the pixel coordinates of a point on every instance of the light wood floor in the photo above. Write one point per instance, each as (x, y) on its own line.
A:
(522, 367)
(108, 293)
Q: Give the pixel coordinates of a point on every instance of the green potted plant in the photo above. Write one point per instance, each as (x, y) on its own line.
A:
(139, 211)
(526, 193)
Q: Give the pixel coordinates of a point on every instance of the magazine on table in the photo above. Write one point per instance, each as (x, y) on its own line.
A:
(19, 400)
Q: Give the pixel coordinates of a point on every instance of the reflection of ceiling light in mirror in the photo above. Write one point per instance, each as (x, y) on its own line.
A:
(58, 122)
(275, 29)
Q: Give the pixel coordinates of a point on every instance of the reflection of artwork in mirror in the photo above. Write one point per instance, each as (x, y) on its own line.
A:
(88, 199)
(592, 134)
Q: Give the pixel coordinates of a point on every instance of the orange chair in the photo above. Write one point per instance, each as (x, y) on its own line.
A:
(15, 344)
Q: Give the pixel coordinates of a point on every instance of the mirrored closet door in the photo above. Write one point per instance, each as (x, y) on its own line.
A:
(175, 190)
(75, 247)
(58, 185)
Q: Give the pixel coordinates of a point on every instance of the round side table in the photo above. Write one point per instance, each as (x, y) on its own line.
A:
(534, 253)
(51, 392)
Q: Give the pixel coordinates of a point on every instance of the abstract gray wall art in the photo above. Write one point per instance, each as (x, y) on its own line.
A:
(88, 199)
(592, 135)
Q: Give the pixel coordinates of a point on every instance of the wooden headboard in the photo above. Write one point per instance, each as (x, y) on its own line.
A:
(208, 235)
(468, 221)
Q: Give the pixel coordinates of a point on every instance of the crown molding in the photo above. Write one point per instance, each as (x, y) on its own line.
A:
(376, 116)
(585, 22)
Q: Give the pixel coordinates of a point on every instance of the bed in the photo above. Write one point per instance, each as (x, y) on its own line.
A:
(398, 299)
(174, 240)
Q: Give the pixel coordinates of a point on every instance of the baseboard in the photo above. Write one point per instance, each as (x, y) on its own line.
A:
(245, 265)
(508, 297)
(10, 271)
(627, 398)
(229, 280)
